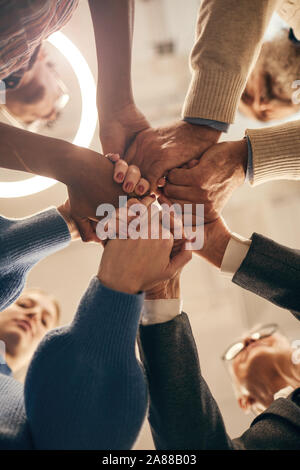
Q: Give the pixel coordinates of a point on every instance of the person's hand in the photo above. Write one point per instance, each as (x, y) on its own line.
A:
(216, 239)
(156, 151)
(128, 175)
(211, 180)
(216, 236)
(90, 183)
(65, 211)
(119, 128)
(170, 288)
(132, 266)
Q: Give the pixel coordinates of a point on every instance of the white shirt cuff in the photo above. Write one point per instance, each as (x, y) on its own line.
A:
(284, 392)
(235, 254)
(160, 310)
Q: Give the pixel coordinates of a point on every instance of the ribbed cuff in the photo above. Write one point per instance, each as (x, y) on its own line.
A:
(31, 239)
(219, 126)
(106, 323)
(276, 152)
(213, 94)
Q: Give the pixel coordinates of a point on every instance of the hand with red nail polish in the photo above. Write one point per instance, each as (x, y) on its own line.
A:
(129, 176)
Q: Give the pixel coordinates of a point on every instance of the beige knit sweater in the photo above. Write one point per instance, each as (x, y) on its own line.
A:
(228, 41)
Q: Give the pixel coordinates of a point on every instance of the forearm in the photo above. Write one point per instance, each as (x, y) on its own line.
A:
(229, 36)
(271, 271)
(93, 391)
(113, 29)
(24, 151)
(23, 243)
(183, 413)
(54, 158)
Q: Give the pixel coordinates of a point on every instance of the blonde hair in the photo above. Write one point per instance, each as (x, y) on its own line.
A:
(50, 296)
(260, 390)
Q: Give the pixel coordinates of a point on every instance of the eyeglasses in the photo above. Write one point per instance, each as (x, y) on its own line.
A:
(261, 332)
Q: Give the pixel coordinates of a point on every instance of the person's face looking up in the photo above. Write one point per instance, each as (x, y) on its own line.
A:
(260, 366)
(24, 323)
(38, 96)
(262, 98)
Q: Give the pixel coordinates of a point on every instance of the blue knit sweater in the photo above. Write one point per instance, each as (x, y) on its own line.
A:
(84, 388)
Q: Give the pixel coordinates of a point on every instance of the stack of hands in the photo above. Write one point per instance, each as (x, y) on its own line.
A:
(181, 163)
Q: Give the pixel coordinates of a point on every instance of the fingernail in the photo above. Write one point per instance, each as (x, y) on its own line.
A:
(128, 186)
(141, 188)
(153, 196)
(119, 176)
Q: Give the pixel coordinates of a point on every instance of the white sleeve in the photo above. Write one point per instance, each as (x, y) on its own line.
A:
(160, 310)
(235, 254)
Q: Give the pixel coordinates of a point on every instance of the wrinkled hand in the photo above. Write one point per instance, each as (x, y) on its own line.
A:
(119, 129)
(156, 151)
(215, 235)
(216, 239)
(170, 288)
(211, 180)
(135, 265)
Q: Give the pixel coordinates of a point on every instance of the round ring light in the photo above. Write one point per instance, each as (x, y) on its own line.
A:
(88, 119)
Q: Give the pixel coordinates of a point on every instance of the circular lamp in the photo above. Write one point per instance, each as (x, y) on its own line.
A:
(88, 119)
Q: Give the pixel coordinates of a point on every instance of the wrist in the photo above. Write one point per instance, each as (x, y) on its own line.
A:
(204, 132)
(110, 107)
(240, 153)
(216, 239)
(64, 161)
(119, 284)
(220, 248)
(75, 235)
(165, 290)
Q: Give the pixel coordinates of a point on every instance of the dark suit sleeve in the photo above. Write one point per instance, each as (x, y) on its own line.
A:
(183, 413)
(272, 271)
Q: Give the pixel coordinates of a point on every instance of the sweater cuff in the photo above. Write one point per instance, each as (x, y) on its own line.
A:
(213, 94)
(107, 322)
(276, 152)
(31, 239)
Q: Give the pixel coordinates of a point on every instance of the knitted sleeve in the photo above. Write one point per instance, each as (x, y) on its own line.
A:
(24, 242)
(275, 152)
(85, 388)
(229, 37)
